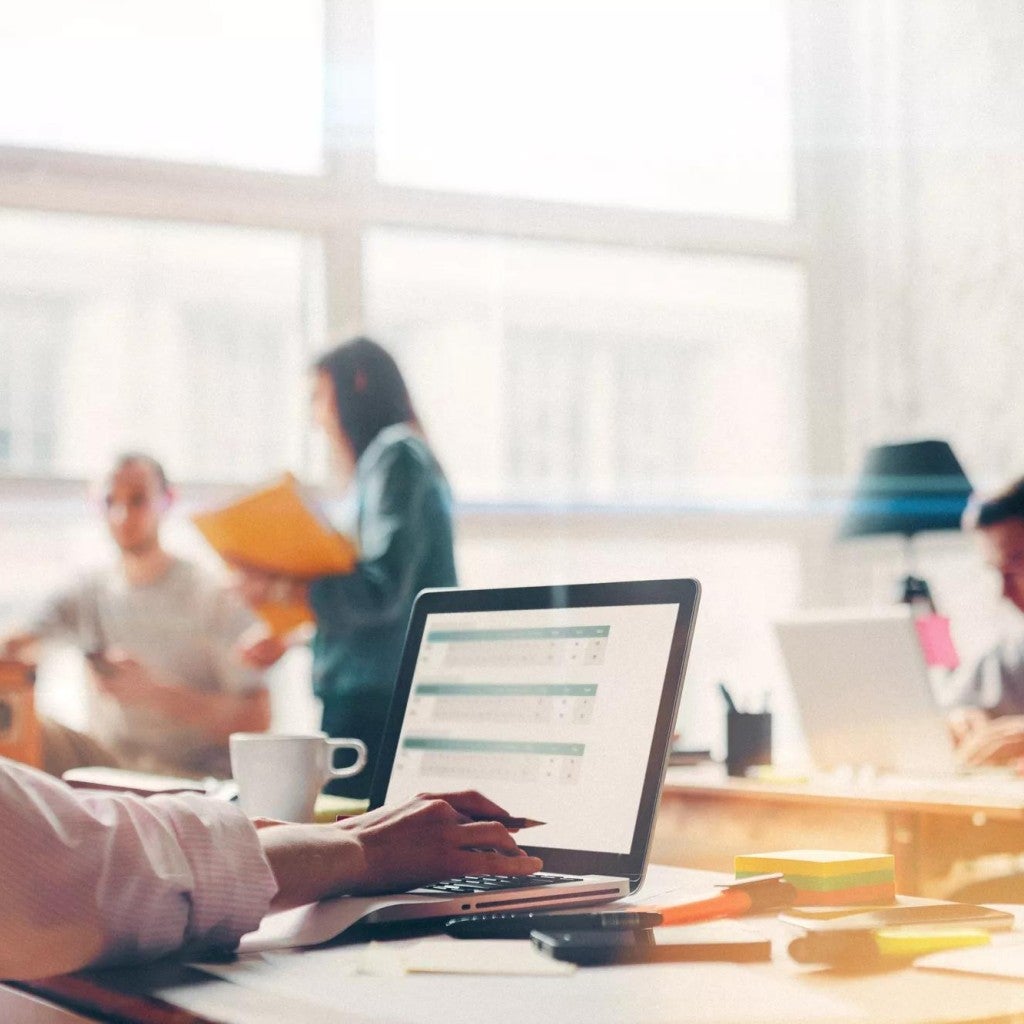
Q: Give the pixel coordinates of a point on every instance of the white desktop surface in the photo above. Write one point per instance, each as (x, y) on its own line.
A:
(322, 986)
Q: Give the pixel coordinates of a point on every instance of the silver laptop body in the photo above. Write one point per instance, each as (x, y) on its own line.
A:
(862, 688)
(557, 702)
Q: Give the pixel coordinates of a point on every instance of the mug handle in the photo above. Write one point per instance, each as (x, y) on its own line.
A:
(347, 743)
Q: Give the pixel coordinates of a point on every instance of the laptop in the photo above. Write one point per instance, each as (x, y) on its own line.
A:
(862, 688)
(558, 703)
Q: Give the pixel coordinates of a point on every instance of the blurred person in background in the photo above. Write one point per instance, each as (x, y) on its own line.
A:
(404, 536)
(175, 659)
(988, 724)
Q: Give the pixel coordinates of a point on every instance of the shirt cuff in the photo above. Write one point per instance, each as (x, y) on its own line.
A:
(232, 880)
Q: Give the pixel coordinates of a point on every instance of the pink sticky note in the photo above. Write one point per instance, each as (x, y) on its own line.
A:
(937, 641)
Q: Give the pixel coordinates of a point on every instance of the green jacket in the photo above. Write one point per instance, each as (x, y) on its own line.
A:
(405, 544)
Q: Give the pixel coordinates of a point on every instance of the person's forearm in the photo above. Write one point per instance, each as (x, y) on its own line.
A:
(310, 862)
(91, 877)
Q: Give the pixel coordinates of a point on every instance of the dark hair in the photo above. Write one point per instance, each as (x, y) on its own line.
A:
(1001, 506)
(143, 459)
(369, 390)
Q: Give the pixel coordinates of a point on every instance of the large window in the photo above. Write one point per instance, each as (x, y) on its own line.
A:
(651, 267)
(188, 341)
(576, 223)
(596, 374)
(630, 103)
(203, 81)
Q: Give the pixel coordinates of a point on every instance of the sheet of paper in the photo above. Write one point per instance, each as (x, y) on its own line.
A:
(235, 1004)
(444, 955)
(1003, 959)
(319, 922)
(331, 980)
(304, 926)
(665, 885)
(312, 924)
(438, 954)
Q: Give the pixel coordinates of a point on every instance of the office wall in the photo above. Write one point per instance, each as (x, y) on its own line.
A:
(918, 138)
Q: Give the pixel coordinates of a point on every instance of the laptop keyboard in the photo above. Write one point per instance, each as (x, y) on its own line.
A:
(491, 883)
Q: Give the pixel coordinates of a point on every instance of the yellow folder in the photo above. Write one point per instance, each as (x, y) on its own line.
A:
(278, 530)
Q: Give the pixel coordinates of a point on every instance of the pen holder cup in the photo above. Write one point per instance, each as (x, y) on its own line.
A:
(748, 740)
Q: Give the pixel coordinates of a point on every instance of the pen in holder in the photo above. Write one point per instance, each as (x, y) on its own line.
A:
(748, 740)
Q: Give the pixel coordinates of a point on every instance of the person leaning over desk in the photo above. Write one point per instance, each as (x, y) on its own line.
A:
(988, 724)
(404, 529)
(102, 878)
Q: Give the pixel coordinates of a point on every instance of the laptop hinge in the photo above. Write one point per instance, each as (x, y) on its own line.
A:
(550, 898)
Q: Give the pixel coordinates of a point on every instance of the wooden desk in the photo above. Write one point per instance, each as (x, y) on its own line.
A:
(320, 987)
(706, 817)
(19, 1007)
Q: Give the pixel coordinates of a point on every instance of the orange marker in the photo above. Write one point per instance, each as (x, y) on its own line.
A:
(733, 899)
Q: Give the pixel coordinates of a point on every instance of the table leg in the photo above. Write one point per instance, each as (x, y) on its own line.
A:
(904, 833)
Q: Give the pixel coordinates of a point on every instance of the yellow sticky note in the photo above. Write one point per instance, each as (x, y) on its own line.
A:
(911, 942)
(330, 807)
(817, 863)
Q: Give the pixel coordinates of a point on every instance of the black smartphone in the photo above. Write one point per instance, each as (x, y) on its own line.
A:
(718, 940)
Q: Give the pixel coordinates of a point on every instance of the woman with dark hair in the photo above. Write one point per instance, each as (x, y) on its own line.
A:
(404, 533)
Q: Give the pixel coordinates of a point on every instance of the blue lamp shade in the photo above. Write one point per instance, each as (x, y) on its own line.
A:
(907, 488)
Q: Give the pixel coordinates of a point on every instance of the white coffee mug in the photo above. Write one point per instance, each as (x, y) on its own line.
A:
(280, 775)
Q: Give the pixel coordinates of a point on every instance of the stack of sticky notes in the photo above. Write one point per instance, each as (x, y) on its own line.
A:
(825, 878)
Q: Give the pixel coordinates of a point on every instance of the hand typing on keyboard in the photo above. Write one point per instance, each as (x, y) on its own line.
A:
(435, 836)
(489, 883)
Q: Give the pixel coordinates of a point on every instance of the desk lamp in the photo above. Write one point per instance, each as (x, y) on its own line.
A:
(907, 489)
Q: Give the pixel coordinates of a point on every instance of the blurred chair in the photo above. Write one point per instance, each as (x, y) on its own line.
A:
(20, 735)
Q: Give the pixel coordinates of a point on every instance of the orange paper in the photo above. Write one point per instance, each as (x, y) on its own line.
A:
(278, 530)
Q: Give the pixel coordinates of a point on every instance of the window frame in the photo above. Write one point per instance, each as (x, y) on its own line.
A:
(339, 204)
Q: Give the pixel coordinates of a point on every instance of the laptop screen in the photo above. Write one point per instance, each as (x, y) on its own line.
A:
(552, 712)
(851, 669)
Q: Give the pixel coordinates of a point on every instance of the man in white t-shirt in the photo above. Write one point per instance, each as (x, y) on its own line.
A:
(176, 659)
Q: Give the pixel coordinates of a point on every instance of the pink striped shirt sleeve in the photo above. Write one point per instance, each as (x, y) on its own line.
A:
(90, 878)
